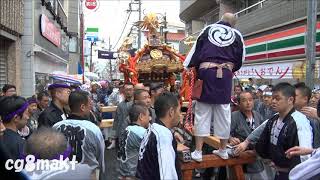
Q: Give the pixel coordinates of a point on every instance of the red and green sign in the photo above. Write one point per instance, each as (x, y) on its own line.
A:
(91, 4)
(50, 31)
(281, 44)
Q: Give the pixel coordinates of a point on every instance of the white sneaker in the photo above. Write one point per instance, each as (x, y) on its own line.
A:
(196, 155)
(197, 175)
(221, 153)
(112, 145)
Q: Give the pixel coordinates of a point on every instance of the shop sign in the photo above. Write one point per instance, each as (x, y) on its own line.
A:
(92, 34)
(290, 70)
(91, 4)
(50, 31)
(106, 55)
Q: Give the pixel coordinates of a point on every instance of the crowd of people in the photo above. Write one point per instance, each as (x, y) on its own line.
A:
(65, 120)
(291, 125)
(275, 121)
(279, 122)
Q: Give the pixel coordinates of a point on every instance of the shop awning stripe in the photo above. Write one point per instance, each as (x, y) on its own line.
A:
(276, 54)
(285, 43)
(277, 35)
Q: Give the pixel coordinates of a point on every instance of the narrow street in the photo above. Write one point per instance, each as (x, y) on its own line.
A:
(111, 165)
(190, 89)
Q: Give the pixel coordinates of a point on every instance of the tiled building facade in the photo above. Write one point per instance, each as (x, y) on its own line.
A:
(11, 30)
(50, 26)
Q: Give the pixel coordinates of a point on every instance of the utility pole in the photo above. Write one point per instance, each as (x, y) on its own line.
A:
(165, 27)
(139, 11)
(311, 42)
(91, 45)
(139, 35)
(82, 38)
(110, 65)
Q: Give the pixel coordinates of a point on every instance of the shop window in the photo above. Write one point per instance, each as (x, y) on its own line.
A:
(42, 80)
(73, 44)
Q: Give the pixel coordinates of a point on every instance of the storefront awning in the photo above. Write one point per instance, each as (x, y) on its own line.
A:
(72, 79)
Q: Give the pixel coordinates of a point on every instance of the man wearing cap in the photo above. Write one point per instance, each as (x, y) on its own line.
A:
(55, 112)
(265, 108)
(259, 97)
(218, 52)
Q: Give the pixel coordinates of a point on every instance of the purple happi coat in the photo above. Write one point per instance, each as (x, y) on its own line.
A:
(218, 43)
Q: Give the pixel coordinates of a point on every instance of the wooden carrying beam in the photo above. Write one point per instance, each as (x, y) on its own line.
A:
(212, 141)
(108, 109)
(106, 123)
(185, 104)
(215, 161)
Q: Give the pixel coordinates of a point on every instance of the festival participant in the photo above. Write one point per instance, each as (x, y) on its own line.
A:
(9, 90)
(303, 95)
(139, 86)
(218, 52)
(48, 144)
(243, 122)
(265, 108)
(309, 169)
(147, 86)
(55, 112)
(156, 89)
(43, 100)
(158, 151)
(117, 96)
(5, 151)
(237, 91)
(142, 96)
(84, 137)
(95, 86)
(259, 97)
(286, 129)
(42, 104)
(121, 117)
(130, 140)
(103, 92)
(315, 98)
(32, 108)
(14, 115)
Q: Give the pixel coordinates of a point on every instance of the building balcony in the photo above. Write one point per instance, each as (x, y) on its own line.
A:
(271, 14)
(11, 16)
(62, 15)
(58, 11)
(192, 10)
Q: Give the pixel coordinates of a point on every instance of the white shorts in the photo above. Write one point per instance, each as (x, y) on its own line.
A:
(219, 114)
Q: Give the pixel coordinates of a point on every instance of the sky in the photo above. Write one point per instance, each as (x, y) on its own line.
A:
(111, 15)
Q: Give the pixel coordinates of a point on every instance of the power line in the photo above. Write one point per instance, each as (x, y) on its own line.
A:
(124, 27)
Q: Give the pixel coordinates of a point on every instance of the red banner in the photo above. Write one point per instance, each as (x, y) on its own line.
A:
(50, 31)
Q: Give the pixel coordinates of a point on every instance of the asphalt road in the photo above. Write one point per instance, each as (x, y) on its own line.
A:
(111, 165)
